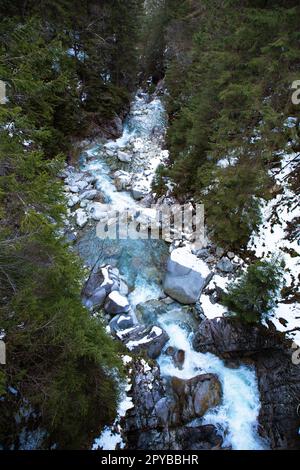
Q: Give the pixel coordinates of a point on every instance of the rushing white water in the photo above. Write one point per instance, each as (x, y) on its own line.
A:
(138, 138)
(144, 291)
(119, 200)
(236, 417)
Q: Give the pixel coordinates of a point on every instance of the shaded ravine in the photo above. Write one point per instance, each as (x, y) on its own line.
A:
(142, 264)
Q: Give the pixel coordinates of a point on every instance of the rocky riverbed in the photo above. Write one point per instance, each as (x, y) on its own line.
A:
(195, 379)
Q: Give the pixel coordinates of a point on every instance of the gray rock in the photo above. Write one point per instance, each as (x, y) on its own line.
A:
(73, 200)
(74, 189)
(231, 339)
(225, 265)
(219, 252)
(147, 391)
(168, 300)
(183, 438)
(110, 152)
(123, 288)
(84, 203)
(116, 303)
(163, 410)
(156, 422)
(97, 210)
(230, 255)
(196, 396)
(90, 195)
(178, 356)
(98, 286)
(82, 184)
(151, 340)
(203, 253)
(186, 276)
(122, 180)
(121, 322)
(97, 299)
(216, 295)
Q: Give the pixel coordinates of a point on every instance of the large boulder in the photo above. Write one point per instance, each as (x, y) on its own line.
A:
(278, 378)
(186, 276)
(89, 195)
(98, 286)
(196, 396)
(151, 340)
(122, 322)
(232, 339)
(155, 421)
(116, 303)
(97, 210)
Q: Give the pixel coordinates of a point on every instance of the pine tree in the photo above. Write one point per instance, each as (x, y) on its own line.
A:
(253, 296)
(60, 361)
(229, 82)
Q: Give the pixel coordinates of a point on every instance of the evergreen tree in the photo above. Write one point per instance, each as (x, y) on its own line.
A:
(60, 362)
(229, 74)
(253, 296)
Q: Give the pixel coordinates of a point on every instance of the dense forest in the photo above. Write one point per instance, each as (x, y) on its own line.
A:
(71, 68)
(229, 70)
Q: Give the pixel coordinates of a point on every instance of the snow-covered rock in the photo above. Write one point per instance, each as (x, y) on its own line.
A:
(97, 210)
(73, 200)
(120, 322)
(139, 190)
(98, 286)
(124, 157)
(152, 340)
(116, 303)
(186, 276)
(81, 218)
